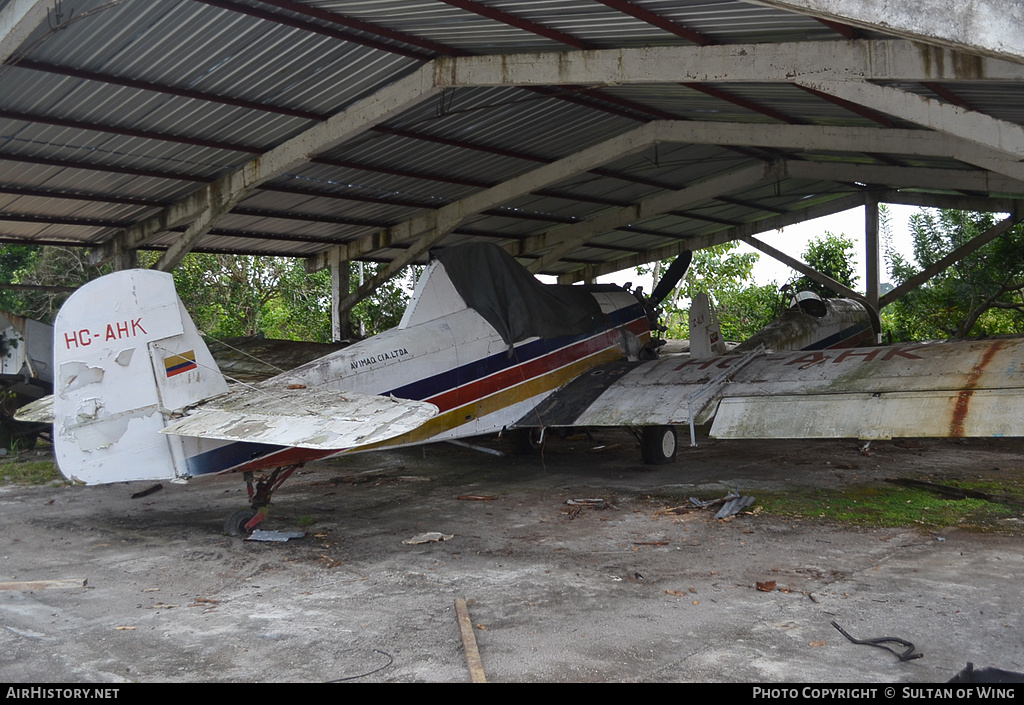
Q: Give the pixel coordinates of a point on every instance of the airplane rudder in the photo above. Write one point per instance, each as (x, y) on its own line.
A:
(705, 333)
(126, 356)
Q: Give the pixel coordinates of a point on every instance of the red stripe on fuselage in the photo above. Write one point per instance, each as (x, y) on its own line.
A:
(517, 374)
(860, 338)
(477, 389)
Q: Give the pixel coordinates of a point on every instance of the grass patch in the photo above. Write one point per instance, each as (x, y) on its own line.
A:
(20, 471)
(892, 505)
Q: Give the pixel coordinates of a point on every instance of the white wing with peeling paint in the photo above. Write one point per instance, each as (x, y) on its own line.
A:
(955, 390)
(303, 418)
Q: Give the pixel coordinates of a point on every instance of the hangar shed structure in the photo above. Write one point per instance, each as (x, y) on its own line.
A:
(583, 136)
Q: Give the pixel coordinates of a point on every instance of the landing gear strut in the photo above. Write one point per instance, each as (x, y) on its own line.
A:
(526, 441)
(242, 522)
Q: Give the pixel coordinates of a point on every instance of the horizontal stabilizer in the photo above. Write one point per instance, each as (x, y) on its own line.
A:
(39, 411)
(304, 418)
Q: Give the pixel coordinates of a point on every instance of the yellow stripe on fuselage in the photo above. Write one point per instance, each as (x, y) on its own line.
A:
(503, 399)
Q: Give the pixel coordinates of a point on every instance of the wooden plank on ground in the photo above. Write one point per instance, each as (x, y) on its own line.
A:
(44, 584)
(476, 667)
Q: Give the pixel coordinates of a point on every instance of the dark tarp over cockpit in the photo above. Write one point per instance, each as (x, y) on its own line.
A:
(511, 299)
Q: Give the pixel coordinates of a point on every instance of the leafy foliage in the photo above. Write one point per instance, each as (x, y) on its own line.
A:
(727, 277)
(226, 295)
(245, 296)
(981, 294)
(13, 260)
(832, 255)
(46, 266)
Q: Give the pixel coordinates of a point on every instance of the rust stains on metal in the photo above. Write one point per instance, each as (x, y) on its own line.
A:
(963, 399)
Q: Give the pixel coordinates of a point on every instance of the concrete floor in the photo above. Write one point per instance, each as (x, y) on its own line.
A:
(621, 594)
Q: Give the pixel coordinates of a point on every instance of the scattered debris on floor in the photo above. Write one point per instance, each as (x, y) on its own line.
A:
(478, 497)
(767, 586)
(576, 506)
(148, 491)
(274, 536)
(376, 477)
(429, 537)
(907, 654)
(734, 506)
(593, 503)
(605, 448)
(729, 505)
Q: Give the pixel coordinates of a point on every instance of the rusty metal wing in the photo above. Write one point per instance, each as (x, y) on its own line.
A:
(957, 389)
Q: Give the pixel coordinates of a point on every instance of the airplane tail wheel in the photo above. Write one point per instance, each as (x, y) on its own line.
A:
(234, 525)
(526, 441)
(658, 444)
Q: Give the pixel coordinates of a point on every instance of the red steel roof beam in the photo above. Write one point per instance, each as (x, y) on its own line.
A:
(741, 102)
(363, 26)
(308, 26)
(658, 21)
(518, 22)
(852, 107)
(162, 88)
(948, 95)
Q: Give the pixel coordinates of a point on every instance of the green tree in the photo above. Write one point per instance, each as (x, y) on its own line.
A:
(226, 295)
(44, 267)
(229, 295)
(385, 308)
(14, 259)
(981, 294)
(727, 277)
(833, 256)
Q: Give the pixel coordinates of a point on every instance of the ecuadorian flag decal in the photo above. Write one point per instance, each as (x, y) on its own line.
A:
(176, 364)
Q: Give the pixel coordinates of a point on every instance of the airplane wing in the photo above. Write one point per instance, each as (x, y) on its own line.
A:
(913, 390)
(302, 417)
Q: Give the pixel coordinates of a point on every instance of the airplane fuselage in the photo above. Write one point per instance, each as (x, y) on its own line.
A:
(446, 354)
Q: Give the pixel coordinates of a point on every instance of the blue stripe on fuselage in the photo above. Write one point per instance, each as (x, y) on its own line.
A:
(837, 337)
(228, 456)
(423, 389)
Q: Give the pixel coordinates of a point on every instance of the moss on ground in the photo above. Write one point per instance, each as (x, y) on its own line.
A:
(894, 505)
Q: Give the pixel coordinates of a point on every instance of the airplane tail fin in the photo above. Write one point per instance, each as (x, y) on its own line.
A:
(127, 355)
(705, 333)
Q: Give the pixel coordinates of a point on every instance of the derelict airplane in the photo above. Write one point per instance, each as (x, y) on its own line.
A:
(482, 347)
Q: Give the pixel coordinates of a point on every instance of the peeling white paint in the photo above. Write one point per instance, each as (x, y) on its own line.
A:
(75, 375)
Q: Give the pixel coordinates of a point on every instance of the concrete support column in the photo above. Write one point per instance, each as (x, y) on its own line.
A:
(341, 321)
(872, 256)
(126, 259)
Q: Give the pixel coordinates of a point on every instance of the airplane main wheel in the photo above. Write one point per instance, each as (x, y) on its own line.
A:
(658, 444)
(234, 525)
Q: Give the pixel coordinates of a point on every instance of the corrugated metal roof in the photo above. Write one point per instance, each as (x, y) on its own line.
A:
(120, 109)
